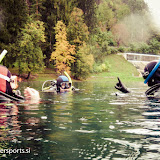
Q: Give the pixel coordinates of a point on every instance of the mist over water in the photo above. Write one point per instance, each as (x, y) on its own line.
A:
(137, 28)
(154, 8)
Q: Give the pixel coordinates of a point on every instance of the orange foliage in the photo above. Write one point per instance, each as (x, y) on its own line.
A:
(63, 54)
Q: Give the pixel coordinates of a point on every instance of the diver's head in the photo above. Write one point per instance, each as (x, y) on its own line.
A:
(155, 77)
(63, 83)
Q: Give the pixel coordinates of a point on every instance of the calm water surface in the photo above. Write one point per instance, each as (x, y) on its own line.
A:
(91, 123)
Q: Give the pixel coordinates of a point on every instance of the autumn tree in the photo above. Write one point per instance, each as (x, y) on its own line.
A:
(63, 54)
(51, 12)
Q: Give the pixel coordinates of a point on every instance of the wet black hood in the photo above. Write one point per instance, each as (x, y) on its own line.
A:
(155, 79)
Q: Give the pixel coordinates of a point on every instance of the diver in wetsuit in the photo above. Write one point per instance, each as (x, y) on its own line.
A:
(154, 81)
(62, 84)
(8, 84)
(151, 70)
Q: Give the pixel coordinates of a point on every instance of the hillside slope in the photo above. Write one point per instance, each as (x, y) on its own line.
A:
(119, 67)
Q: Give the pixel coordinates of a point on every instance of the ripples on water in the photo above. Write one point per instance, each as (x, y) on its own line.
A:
(92, 123)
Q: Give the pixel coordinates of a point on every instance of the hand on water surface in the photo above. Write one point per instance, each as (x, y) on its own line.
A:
(31, 94)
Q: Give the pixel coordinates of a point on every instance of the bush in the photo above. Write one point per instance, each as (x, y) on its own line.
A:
(113, 50)
(83, 65)
(121, 49)
(133, 47)
(143, 48)
(99, 68)
(154, 46)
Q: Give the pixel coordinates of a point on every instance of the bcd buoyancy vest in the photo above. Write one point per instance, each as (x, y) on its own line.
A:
(5, 76)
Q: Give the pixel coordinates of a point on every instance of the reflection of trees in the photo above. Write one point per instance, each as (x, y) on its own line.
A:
(9, 125)
(77, 125)
(32, 128)
(23, 130)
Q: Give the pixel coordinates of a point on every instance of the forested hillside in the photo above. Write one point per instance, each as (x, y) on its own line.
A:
(73, 35)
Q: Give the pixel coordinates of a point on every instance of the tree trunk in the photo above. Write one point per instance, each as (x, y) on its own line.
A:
(29, 73)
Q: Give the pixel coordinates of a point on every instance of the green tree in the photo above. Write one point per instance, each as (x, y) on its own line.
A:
(83, 65)
(88, 7)
(120, 10)
(78, 35)
(109, 12)
(154, 46)
(102, 44)
(64, 8)
(30, 56)
(34, 7)
(13, 17)
(105, 16)
(77, 29)
(63, 54)
(136, 6)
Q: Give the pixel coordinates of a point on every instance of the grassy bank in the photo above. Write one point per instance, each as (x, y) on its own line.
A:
(119, 67)
(47, 74)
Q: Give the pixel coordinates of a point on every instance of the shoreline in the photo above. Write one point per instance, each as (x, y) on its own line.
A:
(119, 67)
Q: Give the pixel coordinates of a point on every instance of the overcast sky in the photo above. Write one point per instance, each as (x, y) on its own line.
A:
(154, 6)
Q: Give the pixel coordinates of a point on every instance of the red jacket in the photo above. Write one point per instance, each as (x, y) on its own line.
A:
(4, 84)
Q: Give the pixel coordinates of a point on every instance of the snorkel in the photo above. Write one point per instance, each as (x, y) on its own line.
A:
(2, 55)
(69, 78)
(152, 72)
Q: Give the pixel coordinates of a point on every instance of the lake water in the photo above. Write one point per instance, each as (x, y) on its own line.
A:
(91, 123)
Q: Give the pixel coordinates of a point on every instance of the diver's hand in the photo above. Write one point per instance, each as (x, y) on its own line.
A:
(121, 87)
(31, 94)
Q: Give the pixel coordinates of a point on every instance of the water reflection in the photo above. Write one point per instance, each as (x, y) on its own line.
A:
(142, 130)
(9, 124)
(91, 123)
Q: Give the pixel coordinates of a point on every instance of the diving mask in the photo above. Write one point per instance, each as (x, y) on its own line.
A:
(13, 82)
(65, 85)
